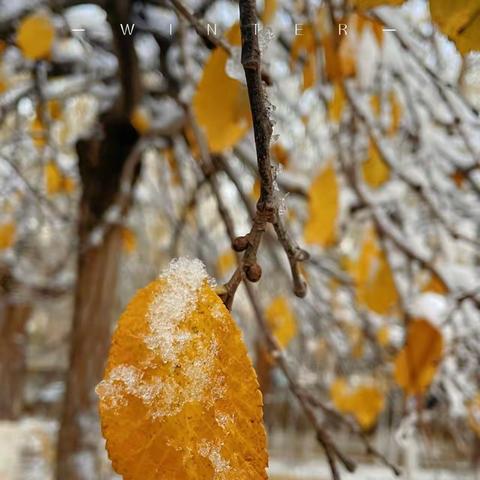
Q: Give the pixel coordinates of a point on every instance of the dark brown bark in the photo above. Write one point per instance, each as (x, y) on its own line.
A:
(13, 321)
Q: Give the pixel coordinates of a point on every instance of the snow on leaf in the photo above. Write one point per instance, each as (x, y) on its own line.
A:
(180, 397)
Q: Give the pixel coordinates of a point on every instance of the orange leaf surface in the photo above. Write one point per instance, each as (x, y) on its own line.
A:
(180, 398)
(35, 36)
(323, 206)
(220, 103)
(416, 364)
(281, 320)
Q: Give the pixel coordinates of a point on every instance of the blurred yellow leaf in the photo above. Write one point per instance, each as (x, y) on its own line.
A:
(226, 262)
(340, 57)
(375, 171)
(141, 121)
(340, 395)
(269, 10)
(375, 286)
(366, 4)
(417, 362)
(7, 235)
(321, 225)
(474, 414)
(365, 402)
(337, 104)
(54, 108)
(55, 181)
(459, 20)
(281, 320)
(280, 154)
(38, 132)
(303, 50)
(396, 112)
(220, 103)
(129, 240)
(180, 398)
(435, 285)
(35, 36)
(383, 336)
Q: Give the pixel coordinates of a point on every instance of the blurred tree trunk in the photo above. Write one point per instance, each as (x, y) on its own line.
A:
(13, 321)
(107, 168)
(101, 163)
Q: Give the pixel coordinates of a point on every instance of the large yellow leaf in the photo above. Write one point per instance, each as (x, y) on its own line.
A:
(7, 235)
(375, 171)
(416, 364)
(269, 10)
(281, 320)
(35, 36)
(180, 398)
(459, 20)
(220, 102)
(321, 225)
(375, 285)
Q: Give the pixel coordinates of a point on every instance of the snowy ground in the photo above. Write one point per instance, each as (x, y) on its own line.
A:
(27, 453)
(317, 470)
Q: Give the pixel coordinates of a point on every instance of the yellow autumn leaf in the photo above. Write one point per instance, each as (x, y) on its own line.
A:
(396, 112)
(363, 22)
(375, 171)
(38, 132)
(375, 285)
(129, 240)
(55, 181)
(337, 104)
(269, 11)
(340, 395)
(141, 121)
(220, 103)
(417, 362)
(304, 50)
(323, 204)
(383, 336)
(226, 262)
(35, 36)
(281, 320)
(365, 402)
(7, 235)
(280, 154)
(180, 398)
(435, 285)
(340, 57)
(459, 20)
(367, 4)
(54, 108)
(474, 414)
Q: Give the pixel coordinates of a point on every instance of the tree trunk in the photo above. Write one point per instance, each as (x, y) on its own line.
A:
(13, 321)
(101, 163)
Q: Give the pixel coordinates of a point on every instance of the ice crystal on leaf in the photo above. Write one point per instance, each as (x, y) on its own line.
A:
(179, 386)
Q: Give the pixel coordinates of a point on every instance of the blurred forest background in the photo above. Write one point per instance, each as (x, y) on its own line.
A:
(358, 296)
